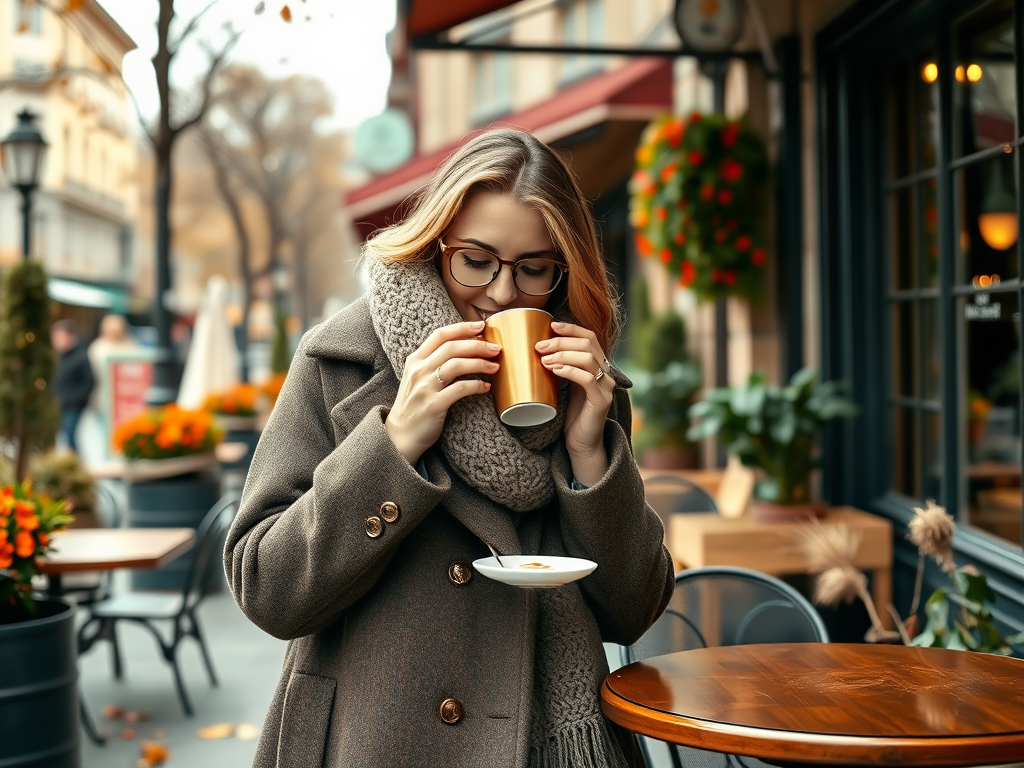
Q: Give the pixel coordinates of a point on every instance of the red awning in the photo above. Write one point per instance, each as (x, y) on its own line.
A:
(636, 92)
(431, 16)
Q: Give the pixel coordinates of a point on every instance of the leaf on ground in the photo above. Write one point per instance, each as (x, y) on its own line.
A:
(113, 712)
(153, 753)
(136, 716)
(247, 732)
(218, 731)
(128, 734)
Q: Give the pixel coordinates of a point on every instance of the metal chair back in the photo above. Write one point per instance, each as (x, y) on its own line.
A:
(691, 498)
(209, 542)
(720, 606)
(108, 507)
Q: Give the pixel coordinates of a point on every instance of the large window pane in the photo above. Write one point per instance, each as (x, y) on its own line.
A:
(904, 349)
(932, 449)
(984, 87)
(906, 460)
(990, 411)
(931, 348)
(987, 221)
(903, 241)
(912, 92)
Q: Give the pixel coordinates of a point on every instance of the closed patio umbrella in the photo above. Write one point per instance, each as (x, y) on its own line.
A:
(212, 363)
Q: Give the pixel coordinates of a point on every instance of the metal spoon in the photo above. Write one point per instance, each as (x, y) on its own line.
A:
(495, 553)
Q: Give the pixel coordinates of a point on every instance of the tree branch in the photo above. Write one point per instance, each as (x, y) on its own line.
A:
(216, 61)
(189, 29)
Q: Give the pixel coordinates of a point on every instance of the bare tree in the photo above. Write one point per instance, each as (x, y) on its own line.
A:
(176, 116)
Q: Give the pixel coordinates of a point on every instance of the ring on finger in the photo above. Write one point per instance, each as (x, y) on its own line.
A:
(599, 374)
(437, 373)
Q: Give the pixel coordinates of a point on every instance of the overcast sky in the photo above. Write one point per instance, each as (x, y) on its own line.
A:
(342, 44)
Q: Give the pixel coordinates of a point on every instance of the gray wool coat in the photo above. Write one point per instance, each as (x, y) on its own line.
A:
(384, 629)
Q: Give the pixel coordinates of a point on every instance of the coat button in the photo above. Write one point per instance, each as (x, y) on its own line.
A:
(389, 511)
(374, 526)
(460, 573)
(451, 711)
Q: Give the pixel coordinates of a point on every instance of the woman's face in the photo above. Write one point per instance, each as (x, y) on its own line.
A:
(498, 223)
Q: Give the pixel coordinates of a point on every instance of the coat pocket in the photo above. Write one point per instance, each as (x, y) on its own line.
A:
(305, 722)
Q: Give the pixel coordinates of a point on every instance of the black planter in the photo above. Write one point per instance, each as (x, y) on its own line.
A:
(173, 502)
(39, 690)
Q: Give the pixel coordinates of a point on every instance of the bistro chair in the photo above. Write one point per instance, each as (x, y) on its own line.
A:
(719, 606)
(147, 608)
(689, 497)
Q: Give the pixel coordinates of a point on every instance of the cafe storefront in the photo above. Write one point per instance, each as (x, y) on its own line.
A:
(920, 139)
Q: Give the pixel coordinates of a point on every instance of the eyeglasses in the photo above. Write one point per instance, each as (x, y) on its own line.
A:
(474, 268)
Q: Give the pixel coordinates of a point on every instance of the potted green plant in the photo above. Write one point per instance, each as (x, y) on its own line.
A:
(774, 430)
(60, 474)
(665, 381)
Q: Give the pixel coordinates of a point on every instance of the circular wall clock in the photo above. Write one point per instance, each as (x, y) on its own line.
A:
(709, 26)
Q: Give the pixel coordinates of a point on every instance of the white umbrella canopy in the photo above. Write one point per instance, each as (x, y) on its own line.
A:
(212, 363)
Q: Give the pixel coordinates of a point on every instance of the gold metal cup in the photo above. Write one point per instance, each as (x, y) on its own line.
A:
(525, 392)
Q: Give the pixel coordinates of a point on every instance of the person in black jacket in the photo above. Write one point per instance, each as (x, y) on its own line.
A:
(75, 380)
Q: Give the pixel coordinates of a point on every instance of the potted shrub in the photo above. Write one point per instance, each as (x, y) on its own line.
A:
(38, 674)
(172, 475)
(60, 474)
(665, 380)
(773, 430)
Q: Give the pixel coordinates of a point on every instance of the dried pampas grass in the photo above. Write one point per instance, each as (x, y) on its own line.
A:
(838, 585)
(931, 531)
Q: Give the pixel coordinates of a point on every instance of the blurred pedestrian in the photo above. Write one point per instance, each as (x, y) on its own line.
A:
(384, 471)
(114, 339)
(74, 381)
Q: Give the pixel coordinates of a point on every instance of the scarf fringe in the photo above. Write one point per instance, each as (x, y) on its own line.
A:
(586, 744)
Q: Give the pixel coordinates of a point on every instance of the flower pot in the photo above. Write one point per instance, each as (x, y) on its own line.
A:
(773, 512)
(658, 457)
(172, 502)
(240, 429)
(39, 690)
(144, 470)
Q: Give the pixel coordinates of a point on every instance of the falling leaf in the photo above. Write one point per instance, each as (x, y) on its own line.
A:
(136, 716)
(218, 731)
(128, 734)
(153, 753)
(113, 712)
(74, 5)
(22, 27)
(260, 7)
(286, 13)
(247, 732)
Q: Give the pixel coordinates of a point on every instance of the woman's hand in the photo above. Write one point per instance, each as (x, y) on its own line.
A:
(429, 387)
(576, 355)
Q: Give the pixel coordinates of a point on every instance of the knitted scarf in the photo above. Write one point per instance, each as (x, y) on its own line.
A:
(407, 303)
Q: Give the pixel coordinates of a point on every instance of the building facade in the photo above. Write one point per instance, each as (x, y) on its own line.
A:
(64, 68)
(896, 263)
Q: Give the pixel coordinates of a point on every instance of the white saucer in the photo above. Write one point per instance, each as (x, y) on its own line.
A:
(562, 570)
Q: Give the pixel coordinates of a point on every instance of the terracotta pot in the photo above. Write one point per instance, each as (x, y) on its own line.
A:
(772, 512)
(668, 458)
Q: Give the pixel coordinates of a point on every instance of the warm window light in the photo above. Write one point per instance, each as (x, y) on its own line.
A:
(974, 73)
(984, 281)
(998, 230)
(930, 73)
(958, 73)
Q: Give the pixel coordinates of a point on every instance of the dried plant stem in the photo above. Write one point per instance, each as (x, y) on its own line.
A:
(899, 624)
(918, 583)
(876, 621)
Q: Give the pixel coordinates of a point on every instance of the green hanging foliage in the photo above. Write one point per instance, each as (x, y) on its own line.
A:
(280, 350)
(29, 412)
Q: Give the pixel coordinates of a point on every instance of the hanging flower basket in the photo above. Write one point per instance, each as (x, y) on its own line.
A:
(694, 203)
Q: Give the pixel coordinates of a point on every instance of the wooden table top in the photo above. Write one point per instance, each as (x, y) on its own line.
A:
(829, 704)
(106, 549)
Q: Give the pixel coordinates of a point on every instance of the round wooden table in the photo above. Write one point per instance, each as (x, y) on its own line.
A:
(829, 704)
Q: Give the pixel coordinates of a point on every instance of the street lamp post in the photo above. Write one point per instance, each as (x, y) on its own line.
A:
(24, 152)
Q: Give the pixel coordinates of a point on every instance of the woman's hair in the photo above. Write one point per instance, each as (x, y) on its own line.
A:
(514, 163)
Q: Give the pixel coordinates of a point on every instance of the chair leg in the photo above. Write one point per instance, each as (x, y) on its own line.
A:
(87, 724)
(180, 684)
(110, 632)
(197, 632)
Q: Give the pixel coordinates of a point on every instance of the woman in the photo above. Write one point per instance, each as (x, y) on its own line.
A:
(384, 472)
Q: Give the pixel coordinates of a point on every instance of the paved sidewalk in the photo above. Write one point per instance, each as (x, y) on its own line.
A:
(247, 661)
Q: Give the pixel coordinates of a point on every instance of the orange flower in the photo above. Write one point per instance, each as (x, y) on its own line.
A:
(6, 555)
(24, 544)
(43, 538)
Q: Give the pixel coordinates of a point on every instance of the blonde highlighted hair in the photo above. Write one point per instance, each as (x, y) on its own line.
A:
(515, 163)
